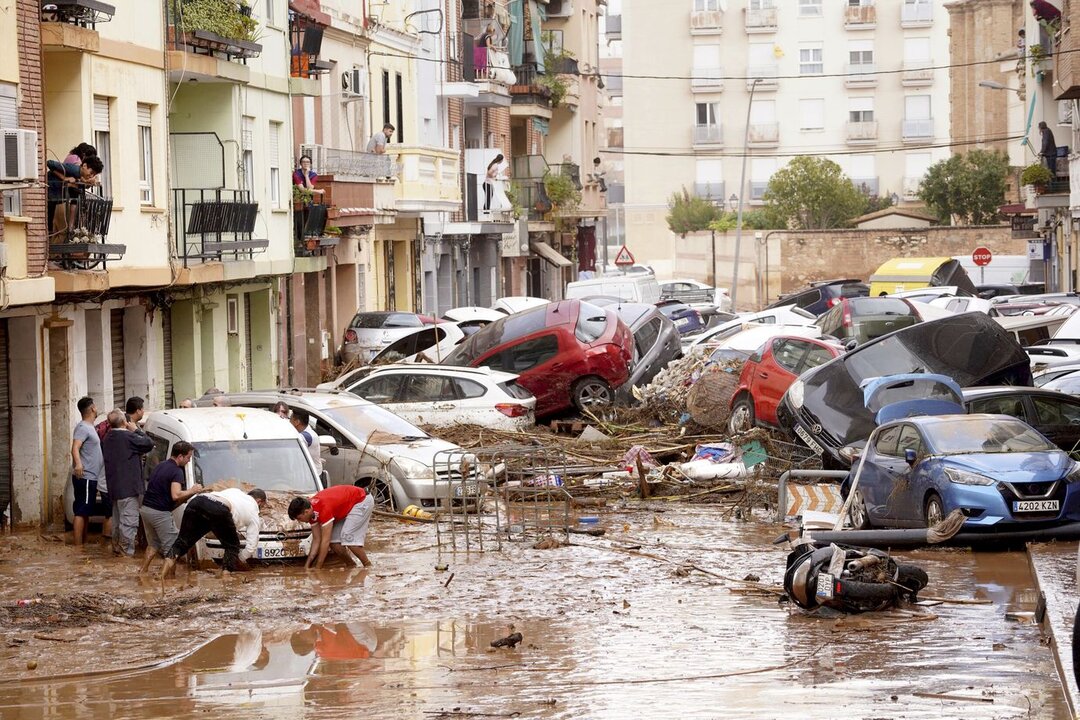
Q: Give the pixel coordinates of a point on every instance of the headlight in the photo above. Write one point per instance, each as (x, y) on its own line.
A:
(795, 394)
(414, 469)
(963, 477)
(1074, 473)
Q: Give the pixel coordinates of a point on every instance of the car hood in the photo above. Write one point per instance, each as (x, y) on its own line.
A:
(1013, 467)
(422, 450)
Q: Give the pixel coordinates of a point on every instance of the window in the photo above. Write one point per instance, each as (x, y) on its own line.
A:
(886, 441)
(706, 57)
(9, 118)
(708, 114)
(761, 171)
(810, 62)
(146, 156)
(909, 440)
(1052, 411)
(762, 4)
(817, 355)
(103, 142)
(428, 388)
(788, 353)
(709, 176)
(862, 169)
(271, 16)
(917, 50)
(468, 389)
(761, 55)
(917, 107)
(247, 159)
(385, 96)
(809, 8)
(379, 390)
(1009, 405)
(861, 52)
(702, 5)
(763, 112)
(531, 353)
(274, 160)
(812, 114)
(647, 335)
(861, 110)
(399, 133)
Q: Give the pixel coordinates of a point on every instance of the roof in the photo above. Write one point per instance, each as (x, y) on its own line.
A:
(904, 212)
(226, 423)
(486, 372)
(1023, 322)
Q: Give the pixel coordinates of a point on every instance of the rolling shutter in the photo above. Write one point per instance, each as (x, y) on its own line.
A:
(166, 350)
(101, 113)
(247, 340)
(5, 423)
(116, 336)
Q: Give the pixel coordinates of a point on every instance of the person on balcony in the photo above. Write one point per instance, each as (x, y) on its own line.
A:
(305, 177)
(67, 182)
(1048, 148)
(79, 153)
(498, 172)
(377, 143)
(484, 44)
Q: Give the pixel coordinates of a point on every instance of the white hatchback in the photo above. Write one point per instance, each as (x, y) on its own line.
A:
(439, 395)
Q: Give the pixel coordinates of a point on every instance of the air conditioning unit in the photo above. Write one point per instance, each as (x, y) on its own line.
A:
(560, 8)
(18, 155)
(354, 82)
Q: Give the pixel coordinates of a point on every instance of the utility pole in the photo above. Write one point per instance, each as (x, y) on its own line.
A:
(742, 194)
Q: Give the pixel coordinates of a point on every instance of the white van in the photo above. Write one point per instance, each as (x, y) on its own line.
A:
(628, 288)
(250, 446)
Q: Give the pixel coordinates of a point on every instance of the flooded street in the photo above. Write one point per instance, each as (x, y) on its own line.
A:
(607, 633)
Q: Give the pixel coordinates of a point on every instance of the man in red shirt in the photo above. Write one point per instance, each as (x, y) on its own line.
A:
(339, 518)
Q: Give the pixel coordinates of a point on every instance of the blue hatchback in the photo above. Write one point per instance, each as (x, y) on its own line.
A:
(998, 470)
(687, 320)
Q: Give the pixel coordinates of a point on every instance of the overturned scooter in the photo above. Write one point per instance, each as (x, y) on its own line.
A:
(848, 579)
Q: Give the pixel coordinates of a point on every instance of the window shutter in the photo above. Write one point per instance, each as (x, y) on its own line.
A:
(101, 113)
(247, 133)
(9, 112)
(143, 115)
(275, 140)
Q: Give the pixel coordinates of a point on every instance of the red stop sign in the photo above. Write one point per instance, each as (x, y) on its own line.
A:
(981, 256)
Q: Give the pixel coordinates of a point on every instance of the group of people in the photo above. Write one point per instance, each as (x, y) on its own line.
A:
(107, 478)
(69, 180)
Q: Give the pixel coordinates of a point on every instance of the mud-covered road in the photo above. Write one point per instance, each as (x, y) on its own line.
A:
(608, 633)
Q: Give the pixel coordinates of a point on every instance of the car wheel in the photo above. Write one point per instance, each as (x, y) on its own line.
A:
(860, 519)
(384, 498)
(742, 415)
(592, 392)
(934, 512)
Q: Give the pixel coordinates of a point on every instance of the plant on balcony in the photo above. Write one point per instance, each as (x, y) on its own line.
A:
(553, 81)
(301, 197)
(332, 230)
(966, 189)
(221, 17)
(812, 194)
(1037, 55)
(513, 193)
(564, 195)
(1036, 174)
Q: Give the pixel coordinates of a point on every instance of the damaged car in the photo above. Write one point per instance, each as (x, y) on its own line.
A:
(824, 408)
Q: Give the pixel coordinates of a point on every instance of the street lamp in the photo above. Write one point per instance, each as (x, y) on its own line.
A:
(995, 85)
(742, 193)
(733, 202)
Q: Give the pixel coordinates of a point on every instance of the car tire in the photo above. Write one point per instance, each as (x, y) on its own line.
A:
(933, 510)
(860, 519)
(742, 415)
(384, 498)
(590, 392)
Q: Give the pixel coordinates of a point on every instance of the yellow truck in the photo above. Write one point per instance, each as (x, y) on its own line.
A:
(912, 273)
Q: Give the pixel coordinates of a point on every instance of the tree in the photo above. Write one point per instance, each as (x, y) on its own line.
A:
(689, 213)
(966, 189)
(812, 194)
(751, 220)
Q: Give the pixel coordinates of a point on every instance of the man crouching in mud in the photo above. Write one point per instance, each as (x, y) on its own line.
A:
(339, 518)
(222, 512)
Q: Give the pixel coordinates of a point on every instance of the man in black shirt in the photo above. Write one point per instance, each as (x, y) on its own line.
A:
(164, 492)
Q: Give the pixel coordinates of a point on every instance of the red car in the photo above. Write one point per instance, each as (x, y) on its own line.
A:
(566, 353)
(769, 372)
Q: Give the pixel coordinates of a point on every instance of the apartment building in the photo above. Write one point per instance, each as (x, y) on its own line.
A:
(611, 70)
(852, 81)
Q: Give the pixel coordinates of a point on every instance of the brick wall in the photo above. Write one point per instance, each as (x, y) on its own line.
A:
(32, 116)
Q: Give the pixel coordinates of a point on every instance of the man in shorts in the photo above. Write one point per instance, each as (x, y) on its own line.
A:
(164, 492)
(87, 472)
(339, 518)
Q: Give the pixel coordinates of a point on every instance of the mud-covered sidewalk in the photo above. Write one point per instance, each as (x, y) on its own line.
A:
(654, 616)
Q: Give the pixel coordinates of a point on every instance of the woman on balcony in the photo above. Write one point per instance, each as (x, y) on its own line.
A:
(305, 177)
(304, 196)
(498, 172)
(484, 44)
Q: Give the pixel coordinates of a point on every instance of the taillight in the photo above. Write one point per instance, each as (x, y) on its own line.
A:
(350, 336)
(512, 410)
(847, 319)
(832, 301)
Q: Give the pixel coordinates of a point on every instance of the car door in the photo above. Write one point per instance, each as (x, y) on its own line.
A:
(879, 475)
(775, 374)
(832, 322)
(429, 398)
(912, 484)
(542, 370)
(1058, 418)
(345, 463)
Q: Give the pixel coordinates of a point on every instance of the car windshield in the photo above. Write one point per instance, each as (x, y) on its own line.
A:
(273, 465)
(985, 435)
(373, 424)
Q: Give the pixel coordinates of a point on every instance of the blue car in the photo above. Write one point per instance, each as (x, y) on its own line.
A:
(998, 470)
(687, 320)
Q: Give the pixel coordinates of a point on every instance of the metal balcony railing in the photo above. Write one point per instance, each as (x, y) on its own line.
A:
(763, 133)
(351, 163)
(707, 77)
(214, 224)
(867, 186)
(763, 19)
(862, 131)
(917, 72)
(183, 34)
(860, 74)
(305, 39)
(83, 13)
(706, 22)
(709, 190)
(79, 228)
(708, 135)
(856, 15)
(757, 190)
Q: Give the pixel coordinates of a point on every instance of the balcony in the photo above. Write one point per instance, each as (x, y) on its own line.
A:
(1067, 67)
(860, 17)
(707, 79)
(487, 86)
(613, 27)
(761, 21)
(528, 96)
(305, 46)
(78, 237)
(712, 190)
(911, 187)
(476, 163)
(867, 186)
(613, 84)
(765, 75)
(706, 22)
(860, 75)
(862, 133)
(615, 137)
(916, 15)
(357, 186)
(351, 164)
(757, 191)
(764, 134)
(917, 73)
(429, 178)
(72, 24)
(201, 54)
(917, 130)
(528, 185)
(214, 224)
(708, 136)
(311, 238)
(616, 194)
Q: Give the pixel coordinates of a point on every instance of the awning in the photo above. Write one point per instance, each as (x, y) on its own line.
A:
(550, 254)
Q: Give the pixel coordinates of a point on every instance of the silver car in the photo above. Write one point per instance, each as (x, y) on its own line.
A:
(656, 342)
(369, 332)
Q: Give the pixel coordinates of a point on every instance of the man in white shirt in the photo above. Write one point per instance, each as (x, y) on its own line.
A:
(223, 513)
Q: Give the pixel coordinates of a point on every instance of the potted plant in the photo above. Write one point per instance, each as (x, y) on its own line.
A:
(301, 197)
(1038, 175)
(1037, 55)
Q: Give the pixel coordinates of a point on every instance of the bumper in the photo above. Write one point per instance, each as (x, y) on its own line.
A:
(293, 548)
(986, 507)
(798, 430)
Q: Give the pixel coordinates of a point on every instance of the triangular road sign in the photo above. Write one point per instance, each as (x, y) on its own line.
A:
(624, 257)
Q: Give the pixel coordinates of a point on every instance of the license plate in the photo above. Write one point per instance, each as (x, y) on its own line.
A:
(268, 553)
(825, 586)
(682, 322)
(470, 489)
(810, 442)
(1035, 506)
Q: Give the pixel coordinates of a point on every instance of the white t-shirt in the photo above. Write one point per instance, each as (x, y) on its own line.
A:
(245, 514)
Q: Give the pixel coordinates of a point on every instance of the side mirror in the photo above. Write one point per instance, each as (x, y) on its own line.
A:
(910, 456)
(327, 441)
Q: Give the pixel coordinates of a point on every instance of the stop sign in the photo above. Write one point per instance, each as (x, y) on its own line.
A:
(981, 256)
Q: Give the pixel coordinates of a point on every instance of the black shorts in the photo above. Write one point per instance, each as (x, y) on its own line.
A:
(88, 501)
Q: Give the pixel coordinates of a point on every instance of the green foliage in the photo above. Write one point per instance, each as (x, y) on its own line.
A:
(812, 194)
(751, 220)
(556, 87)
(1036, 174)
(222, 17)
(875, 203)
(689, 213)
(331, 230)
(302, 195)
(553, 80)
(513, 194)
(966, 189)
(564, 195)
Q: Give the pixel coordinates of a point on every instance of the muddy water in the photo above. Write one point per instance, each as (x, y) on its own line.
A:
(607, 634)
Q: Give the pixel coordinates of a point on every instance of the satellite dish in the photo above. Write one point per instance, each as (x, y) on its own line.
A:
(723, 5)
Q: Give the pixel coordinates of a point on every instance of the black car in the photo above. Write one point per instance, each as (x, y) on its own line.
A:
(1055, 414)
(824, 407)
(821, 296)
